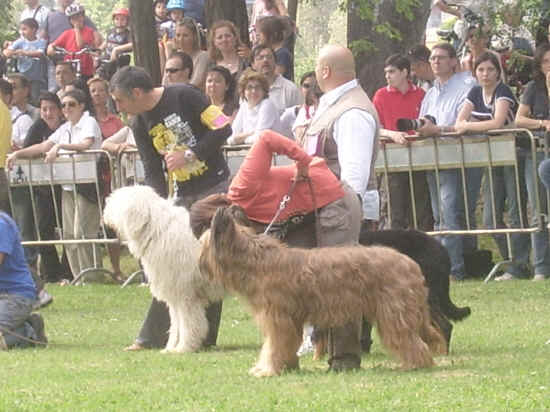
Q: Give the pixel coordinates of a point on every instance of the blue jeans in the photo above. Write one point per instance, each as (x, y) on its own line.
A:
(14, 311)
(23, 216)
(449, 212)
(539, 240)
(544, 173)
(506, 197)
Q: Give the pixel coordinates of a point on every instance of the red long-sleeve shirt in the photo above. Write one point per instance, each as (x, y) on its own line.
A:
(259, 187)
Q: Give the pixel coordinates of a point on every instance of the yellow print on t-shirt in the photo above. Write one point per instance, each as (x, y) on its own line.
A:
(164, 141)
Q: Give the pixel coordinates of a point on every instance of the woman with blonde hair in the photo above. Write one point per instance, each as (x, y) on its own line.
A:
(188, 40)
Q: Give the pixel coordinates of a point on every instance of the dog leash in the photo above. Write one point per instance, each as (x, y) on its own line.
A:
(17, 335)
(315, 211)
(284, 202)
(282, 205)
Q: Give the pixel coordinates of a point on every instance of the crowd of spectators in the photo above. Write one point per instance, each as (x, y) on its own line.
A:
(64, 65)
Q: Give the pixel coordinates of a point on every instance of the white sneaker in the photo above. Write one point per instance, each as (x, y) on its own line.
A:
(306, 347)
(505, 276)
(538, 278)
(44, 299)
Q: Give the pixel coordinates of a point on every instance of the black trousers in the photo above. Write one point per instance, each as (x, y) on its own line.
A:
(155, 328)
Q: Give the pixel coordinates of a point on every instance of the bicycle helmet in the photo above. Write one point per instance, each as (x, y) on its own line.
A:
(175, 5)
(74, 9)
(123, 11)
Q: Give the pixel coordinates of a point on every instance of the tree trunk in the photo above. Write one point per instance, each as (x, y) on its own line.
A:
(232, 10)
(370, 64)
(144, 38)
(292, 9)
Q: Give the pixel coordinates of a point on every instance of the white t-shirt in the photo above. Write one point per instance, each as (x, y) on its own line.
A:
(39, 13)
(436, 16)
(263, 116)
(21, 122)
(86, 127)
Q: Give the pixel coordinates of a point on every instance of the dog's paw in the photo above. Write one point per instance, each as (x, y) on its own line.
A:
(168, 350)
(262, 372)
(253, 370)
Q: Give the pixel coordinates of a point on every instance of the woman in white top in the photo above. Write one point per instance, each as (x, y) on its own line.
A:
(116, 145)
(81, 209)
(257, 111)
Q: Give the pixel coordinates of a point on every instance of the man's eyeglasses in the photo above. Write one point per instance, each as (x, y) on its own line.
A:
(438, 58)
(266, 56)
(173, 70)
(306, 85)
(252, 87)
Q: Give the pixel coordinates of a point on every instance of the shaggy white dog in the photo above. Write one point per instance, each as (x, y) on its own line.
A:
(158, 234)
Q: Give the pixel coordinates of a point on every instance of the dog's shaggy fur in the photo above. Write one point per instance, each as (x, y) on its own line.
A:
(433, 259)
(287, 287)
(158, 234)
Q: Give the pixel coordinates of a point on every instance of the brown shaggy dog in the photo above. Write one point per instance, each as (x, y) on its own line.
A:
(287, 287)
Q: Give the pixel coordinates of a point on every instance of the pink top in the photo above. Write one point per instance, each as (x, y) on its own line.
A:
(110, 125)
(259, 187)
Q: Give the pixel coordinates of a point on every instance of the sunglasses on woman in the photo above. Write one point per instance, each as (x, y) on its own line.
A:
(71, 104)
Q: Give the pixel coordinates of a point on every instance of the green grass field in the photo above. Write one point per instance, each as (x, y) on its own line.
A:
(498, 362)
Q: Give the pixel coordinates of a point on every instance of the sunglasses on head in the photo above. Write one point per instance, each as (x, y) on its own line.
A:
(72, 103)
(172, 70)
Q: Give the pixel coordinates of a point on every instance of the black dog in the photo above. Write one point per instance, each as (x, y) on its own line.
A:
(435, 264)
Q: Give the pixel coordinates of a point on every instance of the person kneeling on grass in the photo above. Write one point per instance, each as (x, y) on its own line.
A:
(17, 292)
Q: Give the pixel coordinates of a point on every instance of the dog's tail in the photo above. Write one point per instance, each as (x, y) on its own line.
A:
(449, 309)
(454, 312)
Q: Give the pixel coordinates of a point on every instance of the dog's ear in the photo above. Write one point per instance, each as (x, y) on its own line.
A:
(138, 217)
(239, 216)
(222, 228)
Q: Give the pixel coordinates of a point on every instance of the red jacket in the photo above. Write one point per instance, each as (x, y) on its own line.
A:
(259, 187)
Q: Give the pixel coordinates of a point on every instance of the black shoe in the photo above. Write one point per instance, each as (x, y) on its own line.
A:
(37, 324)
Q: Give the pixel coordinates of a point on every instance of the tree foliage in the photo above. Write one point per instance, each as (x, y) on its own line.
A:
(379, 28)
(8, 29)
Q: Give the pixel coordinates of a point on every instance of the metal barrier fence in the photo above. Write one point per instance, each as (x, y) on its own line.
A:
(499, 148)
(494, 150)
(486, 154)
(32, 182)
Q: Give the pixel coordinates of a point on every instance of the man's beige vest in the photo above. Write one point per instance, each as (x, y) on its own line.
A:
(323, 126)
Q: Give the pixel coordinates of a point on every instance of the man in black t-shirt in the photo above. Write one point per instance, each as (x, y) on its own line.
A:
(178, 130)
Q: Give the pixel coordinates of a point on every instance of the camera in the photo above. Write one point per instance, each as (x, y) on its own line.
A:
(404, 125)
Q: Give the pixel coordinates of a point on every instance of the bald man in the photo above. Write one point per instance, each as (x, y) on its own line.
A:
(344, 131)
